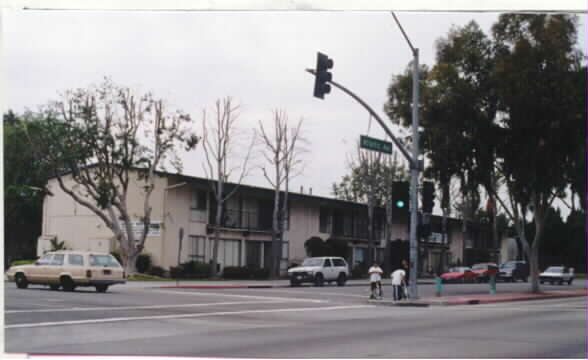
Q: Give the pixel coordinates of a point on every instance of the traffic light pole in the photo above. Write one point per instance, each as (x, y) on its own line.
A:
(414, 166)
(414, 170)
(372, 113)
(414, 178)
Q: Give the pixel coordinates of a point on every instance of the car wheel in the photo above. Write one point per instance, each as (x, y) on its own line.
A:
(541, 282)
(525, 279)
(21, 281)
(570, 281)
(67, 283)
(101, 288)
(319, 280)
(294, 283)
(341, 280)
(54, 286)
(560, 282)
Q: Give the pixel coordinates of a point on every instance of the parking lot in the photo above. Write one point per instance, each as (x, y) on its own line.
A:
(286, 322)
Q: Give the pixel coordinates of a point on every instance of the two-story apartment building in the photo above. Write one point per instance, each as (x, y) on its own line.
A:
(183, 202)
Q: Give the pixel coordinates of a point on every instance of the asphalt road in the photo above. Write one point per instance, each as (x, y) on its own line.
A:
(327, 322)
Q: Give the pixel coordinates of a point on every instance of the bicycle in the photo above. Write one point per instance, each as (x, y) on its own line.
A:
(376, 291)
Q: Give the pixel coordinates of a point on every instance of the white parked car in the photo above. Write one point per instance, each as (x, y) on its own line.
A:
(320, 269)
(557, 274)
(69, 269)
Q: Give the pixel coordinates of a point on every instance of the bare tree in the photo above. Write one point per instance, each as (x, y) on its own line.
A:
(282, 150)
(105, 138)
(219, 142)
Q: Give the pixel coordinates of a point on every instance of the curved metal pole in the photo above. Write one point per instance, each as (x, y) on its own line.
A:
(375, 115)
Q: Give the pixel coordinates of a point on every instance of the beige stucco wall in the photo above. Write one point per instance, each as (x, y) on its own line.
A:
(81, 229)
(304, 224)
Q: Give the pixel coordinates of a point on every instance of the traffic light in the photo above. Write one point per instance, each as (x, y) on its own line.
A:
(322, 75)
(400, 195)
(428, 197)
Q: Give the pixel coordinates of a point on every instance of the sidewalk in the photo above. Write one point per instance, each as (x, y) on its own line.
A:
(483, 298)
(241, 284)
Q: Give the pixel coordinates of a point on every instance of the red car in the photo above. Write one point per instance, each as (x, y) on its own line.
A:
(483, 271)
(459, 274)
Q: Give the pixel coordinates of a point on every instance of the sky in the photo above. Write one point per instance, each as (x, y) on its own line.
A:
(191, 59)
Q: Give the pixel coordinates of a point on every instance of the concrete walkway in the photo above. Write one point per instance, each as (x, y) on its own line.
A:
(483, 298)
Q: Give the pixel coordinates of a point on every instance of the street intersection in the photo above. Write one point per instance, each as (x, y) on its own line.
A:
(332, 322)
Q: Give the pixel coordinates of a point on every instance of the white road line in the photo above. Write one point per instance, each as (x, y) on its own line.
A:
(239, 296)
(182, 316)
(141, 307)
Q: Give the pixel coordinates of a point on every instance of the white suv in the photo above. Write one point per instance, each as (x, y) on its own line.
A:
(318, 270)
(69, 269)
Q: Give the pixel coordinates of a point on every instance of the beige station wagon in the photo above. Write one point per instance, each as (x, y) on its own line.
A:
(69, 269)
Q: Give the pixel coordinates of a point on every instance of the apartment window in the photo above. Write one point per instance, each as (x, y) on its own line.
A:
(198, 205)
(229, 252)
(198, 250)
(324, 220)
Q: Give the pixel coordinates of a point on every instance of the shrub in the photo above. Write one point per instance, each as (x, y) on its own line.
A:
(176, 272)
(195, 269)
(260, 273)
(143, 263)
(359, 271)
(22, 262)
(236, 272)
(156, 271)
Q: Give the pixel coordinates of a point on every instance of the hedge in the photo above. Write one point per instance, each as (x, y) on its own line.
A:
(22, 262)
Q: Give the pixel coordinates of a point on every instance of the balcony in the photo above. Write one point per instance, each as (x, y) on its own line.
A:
(243, 220)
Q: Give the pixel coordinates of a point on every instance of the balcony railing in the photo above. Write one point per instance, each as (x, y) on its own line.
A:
(249, 220)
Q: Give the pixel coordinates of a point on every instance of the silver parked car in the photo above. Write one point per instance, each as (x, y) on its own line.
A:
(557, 274)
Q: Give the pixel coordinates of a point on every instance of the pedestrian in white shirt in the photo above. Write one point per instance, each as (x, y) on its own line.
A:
(375, 280)
(397, 282)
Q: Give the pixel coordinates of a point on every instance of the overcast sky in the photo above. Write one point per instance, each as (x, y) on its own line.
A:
(258, 58)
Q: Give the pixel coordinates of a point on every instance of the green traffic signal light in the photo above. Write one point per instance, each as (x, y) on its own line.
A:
(400, 204)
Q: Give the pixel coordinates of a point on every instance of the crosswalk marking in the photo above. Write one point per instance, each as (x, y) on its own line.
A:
(182, 316)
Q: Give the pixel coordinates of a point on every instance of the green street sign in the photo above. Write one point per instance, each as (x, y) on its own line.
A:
(369, 143)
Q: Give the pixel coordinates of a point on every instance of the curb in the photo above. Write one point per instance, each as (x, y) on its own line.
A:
(249, 286)
(477, 301)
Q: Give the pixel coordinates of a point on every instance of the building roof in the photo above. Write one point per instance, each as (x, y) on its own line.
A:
(270, 192)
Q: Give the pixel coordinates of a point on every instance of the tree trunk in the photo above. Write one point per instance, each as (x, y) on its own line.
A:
(370, 258)
(218, 221)
(130, 265)
(387, 265)
(534, 256)
(275, 261)
(444, 241)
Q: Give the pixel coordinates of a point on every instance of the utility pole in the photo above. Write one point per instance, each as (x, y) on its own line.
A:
(414, 168)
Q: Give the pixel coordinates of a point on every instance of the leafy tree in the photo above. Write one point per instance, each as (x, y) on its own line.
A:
(97, 141)
(370, 182)
(536, 64)
(505, 103)
(457, 106)
(24, 179)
